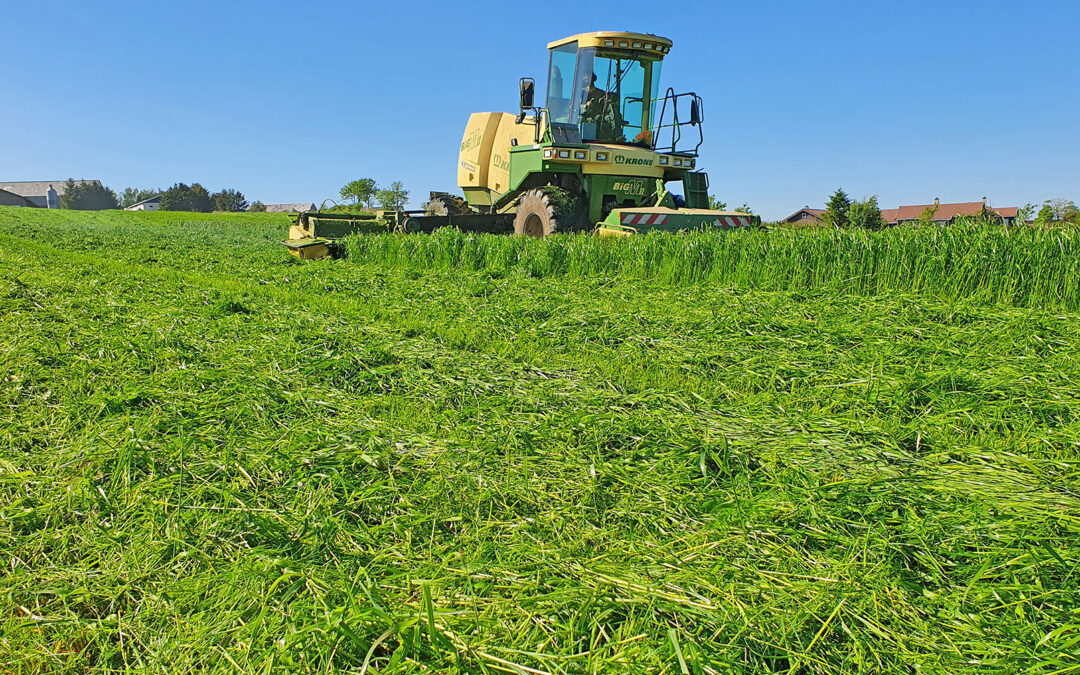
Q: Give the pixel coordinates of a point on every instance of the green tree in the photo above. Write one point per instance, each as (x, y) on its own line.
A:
(360, 191)
(1025, 213)
(181, 197)
(866, 214)
(745, 208)
(716, 204)
(202, 199)
(1045, 215)
(392, 198)
(927, 215)
(258, 207)
(132, 195)
(89, 196)
(228, 200)
(1059, 210)
(836, 211)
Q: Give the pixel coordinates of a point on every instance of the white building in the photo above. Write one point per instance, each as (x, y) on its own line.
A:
(151, 204)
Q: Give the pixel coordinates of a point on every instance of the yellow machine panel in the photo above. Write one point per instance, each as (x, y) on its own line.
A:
(620, 160)
(499, 173)
(639, 42)
(484, 162)
(475, 153)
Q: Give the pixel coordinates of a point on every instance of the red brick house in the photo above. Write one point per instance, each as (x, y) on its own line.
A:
(946, 213)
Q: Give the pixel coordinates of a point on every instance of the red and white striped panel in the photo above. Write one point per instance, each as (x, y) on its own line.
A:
(733, 221)
(643, 219)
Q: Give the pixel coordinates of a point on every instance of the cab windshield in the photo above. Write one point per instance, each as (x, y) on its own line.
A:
(609, 95)
(616, 95)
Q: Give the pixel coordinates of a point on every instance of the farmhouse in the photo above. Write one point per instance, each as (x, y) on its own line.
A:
(298, 207)
(943, 214)
(12, 199)
(151, 204)
(806, 216)
(44, 194)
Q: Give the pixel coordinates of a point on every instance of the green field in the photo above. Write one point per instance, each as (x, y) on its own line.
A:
(799, 452)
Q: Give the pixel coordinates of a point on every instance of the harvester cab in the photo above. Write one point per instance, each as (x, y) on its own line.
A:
(611, 91)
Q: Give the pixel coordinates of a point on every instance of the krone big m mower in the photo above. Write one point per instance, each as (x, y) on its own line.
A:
(597, 156)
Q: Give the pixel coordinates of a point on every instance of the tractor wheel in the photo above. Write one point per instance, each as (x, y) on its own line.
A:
(545, 211)
(446, 205)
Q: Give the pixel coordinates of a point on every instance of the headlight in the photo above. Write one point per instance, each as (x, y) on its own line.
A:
(547, 153)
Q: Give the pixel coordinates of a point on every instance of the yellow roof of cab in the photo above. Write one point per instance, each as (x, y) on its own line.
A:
(597, 39)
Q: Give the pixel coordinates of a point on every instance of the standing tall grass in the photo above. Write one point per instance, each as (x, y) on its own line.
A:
(1023, 267)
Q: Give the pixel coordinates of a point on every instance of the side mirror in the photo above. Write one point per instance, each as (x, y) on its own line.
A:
(695, 113)
(526, 86)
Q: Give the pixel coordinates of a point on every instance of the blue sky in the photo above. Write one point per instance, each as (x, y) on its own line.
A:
(287, 101)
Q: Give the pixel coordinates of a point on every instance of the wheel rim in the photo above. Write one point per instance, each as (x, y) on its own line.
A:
(534, 226)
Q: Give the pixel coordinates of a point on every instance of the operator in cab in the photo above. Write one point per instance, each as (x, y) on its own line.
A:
(602, 109)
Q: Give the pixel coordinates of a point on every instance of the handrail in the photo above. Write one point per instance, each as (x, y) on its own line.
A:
(675, 125)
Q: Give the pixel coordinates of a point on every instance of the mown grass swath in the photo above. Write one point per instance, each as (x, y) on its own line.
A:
(216, 458)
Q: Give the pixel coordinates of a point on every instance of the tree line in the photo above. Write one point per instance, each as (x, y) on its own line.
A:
(364, 192)
(1054, 211)
(180, 197)
(842, 211)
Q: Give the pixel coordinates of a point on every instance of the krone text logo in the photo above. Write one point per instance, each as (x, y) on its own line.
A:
(640, 161)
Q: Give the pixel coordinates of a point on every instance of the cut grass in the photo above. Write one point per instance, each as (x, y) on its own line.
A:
(217, 458)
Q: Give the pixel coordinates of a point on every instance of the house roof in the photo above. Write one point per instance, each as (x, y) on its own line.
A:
(814, 212)
(11, 199)
(149, 200)
(944, 211)
(38, 188)
(290, 208)
(1007, 211)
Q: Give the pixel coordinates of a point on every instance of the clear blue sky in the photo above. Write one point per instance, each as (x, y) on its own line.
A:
(287, 101)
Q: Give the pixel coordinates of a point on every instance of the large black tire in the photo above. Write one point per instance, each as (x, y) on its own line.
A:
(446, 205)
(545, 211)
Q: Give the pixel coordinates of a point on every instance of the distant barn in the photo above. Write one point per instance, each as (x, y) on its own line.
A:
(12, 199)
(44, 194)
